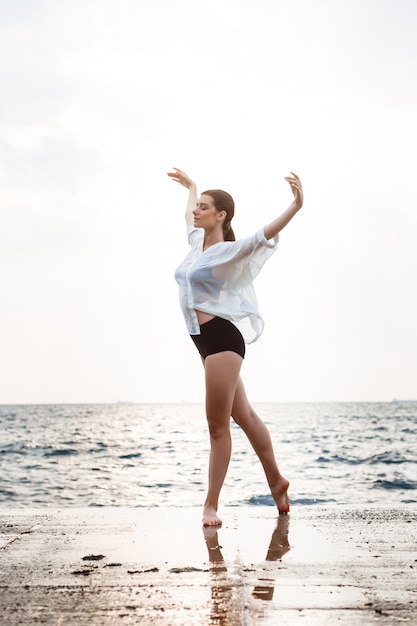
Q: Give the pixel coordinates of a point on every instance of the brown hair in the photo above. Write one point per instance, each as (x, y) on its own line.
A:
(223, 201)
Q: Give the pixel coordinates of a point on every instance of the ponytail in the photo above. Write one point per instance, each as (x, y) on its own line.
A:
(228, 233)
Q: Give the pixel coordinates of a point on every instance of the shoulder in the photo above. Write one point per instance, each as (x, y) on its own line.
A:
(195, 235)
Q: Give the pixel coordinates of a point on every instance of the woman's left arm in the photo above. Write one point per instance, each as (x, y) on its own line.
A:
(272, 229)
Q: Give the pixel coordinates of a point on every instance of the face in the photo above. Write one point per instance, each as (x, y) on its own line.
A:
(206, 214)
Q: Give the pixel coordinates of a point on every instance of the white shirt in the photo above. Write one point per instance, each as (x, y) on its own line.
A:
(219, 280)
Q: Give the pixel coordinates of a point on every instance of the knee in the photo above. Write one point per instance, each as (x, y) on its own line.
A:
(218, 430)
(245, 417)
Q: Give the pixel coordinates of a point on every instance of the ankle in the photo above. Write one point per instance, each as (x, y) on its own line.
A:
(210, 505)
(281, 483)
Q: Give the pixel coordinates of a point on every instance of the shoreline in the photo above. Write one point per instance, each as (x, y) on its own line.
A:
(158, 566)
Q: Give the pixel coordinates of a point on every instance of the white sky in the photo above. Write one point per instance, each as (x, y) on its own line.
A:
(100, 98)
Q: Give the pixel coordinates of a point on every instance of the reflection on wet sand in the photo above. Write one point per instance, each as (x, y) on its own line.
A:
(278, 546)
(223, 584)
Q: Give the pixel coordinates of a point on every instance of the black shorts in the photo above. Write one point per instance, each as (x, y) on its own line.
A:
(219, 335)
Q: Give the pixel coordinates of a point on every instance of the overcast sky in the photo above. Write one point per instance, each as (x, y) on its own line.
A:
(100, 98)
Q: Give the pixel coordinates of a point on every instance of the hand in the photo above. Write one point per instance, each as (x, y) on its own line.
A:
(296, 188)
(181, 177)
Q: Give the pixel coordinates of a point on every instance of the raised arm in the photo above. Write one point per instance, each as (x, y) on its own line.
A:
(181, 177)
(272, 229)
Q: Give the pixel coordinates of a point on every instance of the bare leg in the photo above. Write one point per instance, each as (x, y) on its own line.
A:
(222, 373)
(259, 436)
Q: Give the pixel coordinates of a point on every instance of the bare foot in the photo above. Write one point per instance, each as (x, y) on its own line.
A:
(280, 495)
(210, 517)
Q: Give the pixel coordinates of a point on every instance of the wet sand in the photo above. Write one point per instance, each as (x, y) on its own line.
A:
(118, 566)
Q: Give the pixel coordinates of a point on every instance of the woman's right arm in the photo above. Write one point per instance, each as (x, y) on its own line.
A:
(181, 177)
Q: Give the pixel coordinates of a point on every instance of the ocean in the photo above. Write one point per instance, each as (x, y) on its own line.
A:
(142, 455)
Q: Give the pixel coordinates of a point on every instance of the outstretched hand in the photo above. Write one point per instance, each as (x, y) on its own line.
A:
(181, 177)
(296, 188)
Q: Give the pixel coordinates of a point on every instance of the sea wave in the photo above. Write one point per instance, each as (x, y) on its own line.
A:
(157, 455)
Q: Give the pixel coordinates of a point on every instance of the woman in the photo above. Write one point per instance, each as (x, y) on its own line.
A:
(220, 309)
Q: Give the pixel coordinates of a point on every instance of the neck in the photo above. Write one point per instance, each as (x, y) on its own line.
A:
(211, 237)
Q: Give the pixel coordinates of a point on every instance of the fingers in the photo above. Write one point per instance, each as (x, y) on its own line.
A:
(177, 175)
(180, 177)
(294, 181)
(293, 178)
(177, 172)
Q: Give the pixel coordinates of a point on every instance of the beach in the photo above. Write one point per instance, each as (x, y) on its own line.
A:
(100, 518)
(104, 565)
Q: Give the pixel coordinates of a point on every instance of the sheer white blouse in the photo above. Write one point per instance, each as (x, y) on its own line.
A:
(219, 280)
